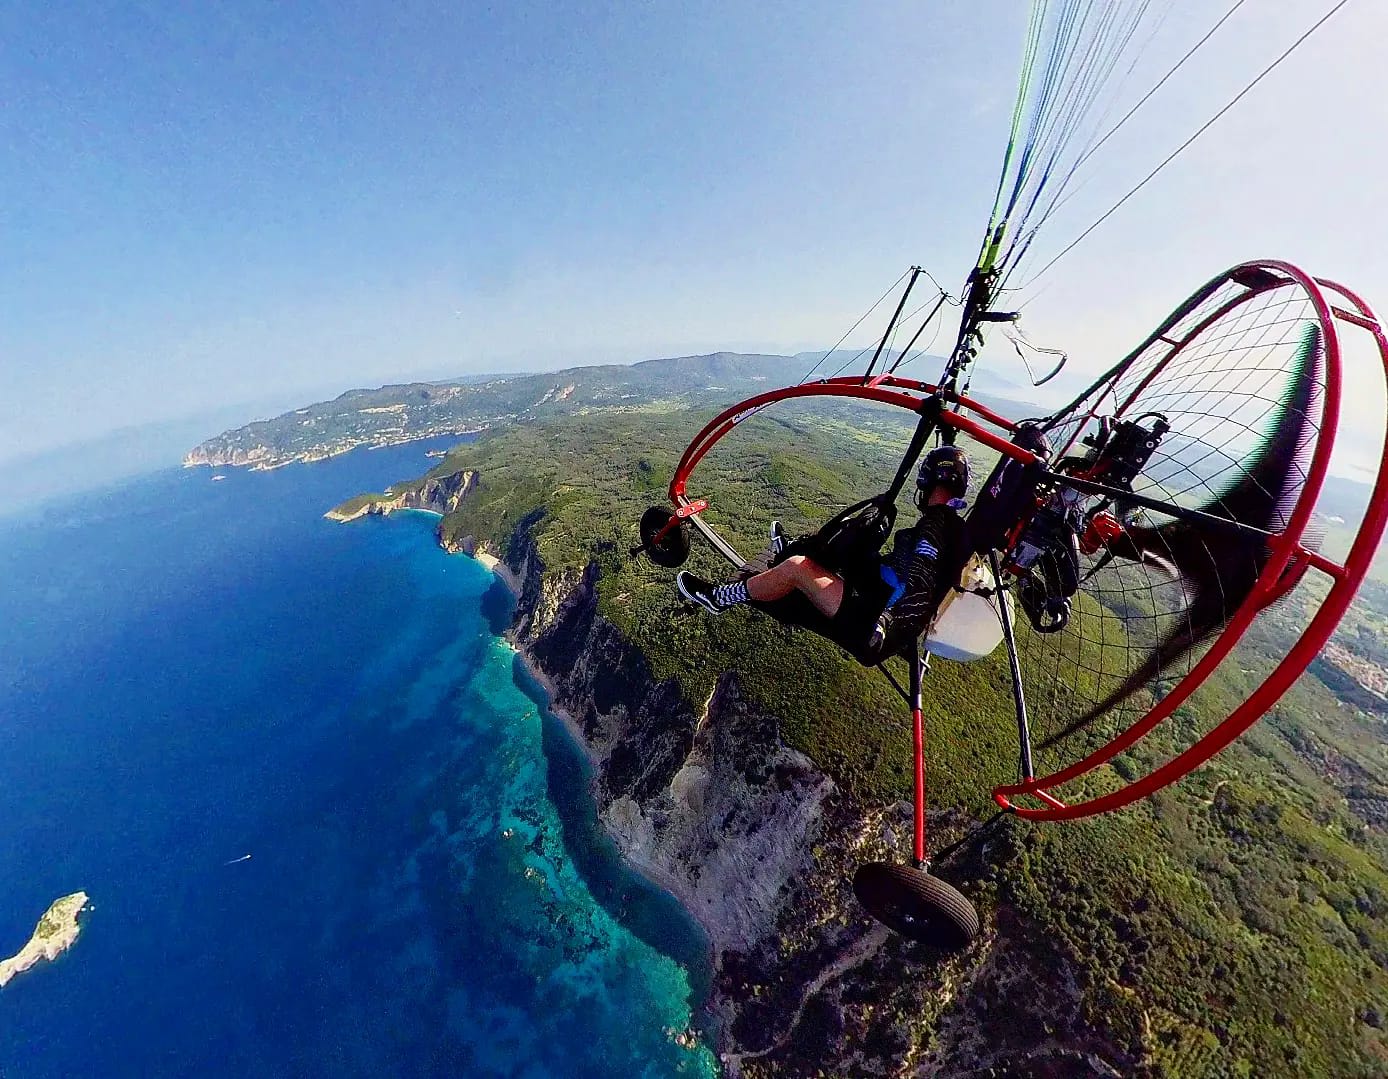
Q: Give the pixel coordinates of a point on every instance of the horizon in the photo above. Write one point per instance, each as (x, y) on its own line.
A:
(136, 450)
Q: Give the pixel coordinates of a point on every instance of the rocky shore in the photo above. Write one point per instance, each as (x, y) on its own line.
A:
(440, 495)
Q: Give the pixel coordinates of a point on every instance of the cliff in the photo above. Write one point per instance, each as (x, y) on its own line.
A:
(760, 845)
(435, 494)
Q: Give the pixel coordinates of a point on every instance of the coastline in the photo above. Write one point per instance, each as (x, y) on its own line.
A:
(269, 463)
(508, 577)
(634, 858)
(637, 860)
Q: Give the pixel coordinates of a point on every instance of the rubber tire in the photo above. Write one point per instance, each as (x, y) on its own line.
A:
(916, 905)
(673, 550)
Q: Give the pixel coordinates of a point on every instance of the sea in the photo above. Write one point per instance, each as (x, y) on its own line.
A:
(326, 820)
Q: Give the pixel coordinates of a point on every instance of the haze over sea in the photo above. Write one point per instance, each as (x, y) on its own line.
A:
(192, 671)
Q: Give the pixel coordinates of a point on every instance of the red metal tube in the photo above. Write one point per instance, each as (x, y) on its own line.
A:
(891, 391)
(918, 734)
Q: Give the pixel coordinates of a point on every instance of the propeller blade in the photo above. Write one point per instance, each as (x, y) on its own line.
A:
(1218, 568)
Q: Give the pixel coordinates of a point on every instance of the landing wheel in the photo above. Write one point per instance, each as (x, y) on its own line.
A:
(916, 905)
(670, 550)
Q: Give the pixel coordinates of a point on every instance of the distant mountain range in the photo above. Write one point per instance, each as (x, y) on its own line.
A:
(394, 414)
(399, 413)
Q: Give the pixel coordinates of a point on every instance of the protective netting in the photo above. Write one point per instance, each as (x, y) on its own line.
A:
(1239, 379)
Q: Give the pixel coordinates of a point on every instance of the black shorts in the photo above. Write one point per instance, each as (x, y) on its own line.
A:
(865, 597)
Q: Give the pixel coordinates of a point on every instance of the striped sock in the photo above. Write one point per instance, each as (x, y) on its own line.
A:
(730, 595)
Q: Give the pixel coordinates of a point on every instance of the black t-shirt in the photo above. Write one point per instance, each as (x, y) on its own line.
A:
(925, 562)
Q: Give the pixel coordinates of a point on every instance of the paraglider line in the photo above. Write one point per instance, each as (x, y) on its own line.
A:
(890, 288)
(1148, 95)
(1200, 131)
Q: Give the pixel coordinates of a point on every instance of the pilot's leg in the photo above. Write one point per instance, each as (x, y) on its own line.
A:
(797, 573)
(802, 573)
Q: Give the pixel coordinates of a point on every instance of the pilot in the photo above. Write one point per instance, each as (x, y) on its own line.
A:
(880, 604)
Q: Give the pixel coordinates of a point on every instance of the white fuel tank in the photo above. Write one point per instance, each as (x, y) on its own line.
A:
(968, 625)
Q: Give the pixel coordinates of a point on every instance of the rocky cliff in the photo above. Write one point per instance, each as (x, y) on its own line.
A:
(436, 494)
(760, 846)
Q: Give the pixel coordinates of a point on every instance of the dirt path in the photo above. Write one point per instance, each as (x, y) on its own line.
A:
(858, 953)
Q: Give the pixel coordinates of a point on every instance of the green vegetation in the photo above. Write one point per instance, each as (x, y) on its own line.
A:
(357, 503)
(51, 924)
(61, 916)
(393, 414)
(1233, 925)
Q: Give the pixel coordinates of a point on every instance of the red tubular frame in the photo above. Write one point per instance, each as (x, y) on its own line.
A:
(918, 746)
(898, 392)
(1285, 547)
(1288, 562)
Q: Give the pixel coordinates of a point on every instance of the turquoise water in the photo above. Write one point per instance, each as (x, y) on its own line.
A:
(191, 671)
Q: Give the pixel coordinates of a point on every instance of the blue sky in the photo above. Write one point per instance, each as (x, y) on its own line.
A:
(207, 204)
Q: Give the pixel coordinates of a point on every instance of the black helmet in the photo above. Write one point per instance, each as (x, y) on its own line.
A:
(947, 467)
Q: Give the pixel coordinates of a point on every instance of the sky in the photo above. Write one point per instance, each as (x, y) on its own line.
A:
(208, 204)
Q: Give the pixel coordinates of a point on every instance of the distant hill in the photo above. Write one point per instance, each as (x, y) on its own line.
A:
(394, 414)
(399, 413)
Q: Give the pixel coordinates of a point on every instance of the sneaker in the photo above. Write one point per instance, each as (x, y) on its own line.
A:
(779, 540)
(697, 590)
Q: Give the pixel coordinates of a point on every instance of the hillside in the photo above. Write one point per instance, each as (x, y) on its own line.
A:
(1235, 925)
(393, 414)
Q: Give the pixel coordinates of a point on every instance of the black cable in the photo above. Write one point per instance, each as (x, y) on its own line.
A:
(890, 289)
(939, 303)
(971, 836)
(863, 351)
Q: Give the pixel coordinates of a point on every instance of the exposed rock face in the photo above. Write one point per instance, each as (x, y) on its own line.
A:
(257, 458)
(437, 494)
(761, 846)
(713, 802)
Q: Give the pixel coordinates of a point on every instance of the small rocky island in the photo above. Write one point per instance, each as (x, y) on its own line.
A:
(56, 933)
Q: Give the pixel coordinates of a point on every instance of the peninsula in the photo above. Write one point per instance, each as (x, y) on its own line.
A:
(56, 933)
(391, 415)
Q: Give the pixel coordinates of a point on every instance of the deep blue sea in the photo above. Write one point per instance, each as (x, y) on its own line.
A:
(192, 671)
